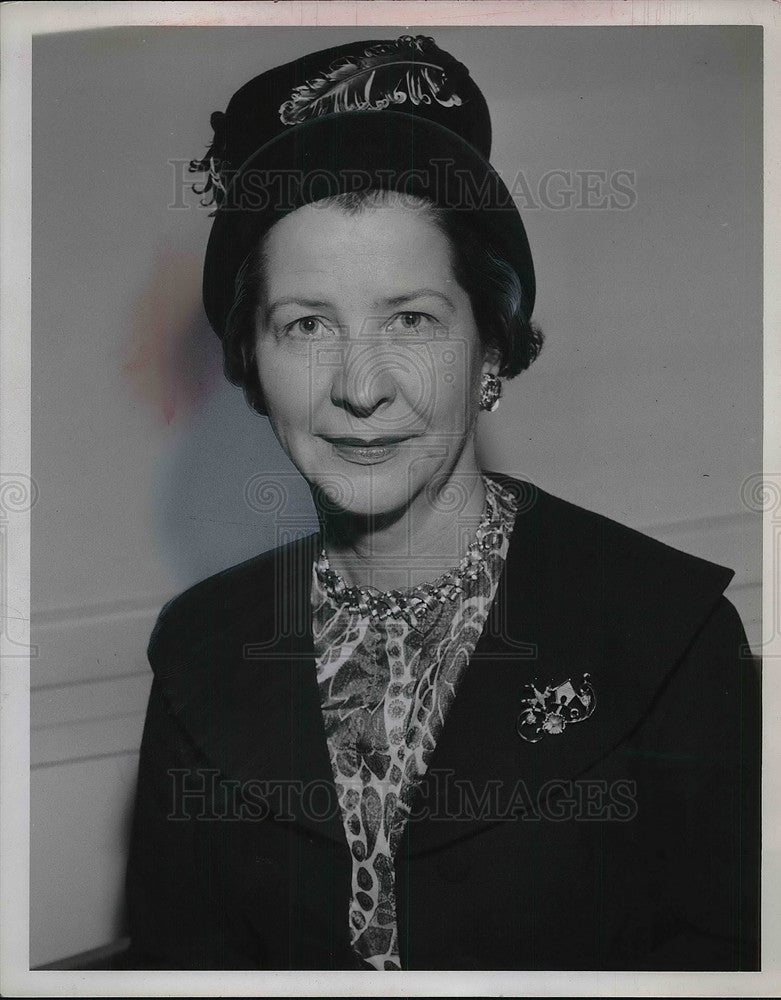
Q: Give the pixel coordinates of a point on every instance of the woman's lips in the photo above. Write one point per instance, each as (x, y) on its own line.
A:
(366, 452)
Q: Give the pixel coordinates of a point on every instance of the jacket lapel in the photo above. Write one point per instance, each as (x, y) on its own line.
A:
(579, 595)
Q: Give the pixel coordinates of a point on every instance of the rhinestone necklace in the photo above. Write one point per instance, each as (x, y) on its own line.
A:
(422, 599)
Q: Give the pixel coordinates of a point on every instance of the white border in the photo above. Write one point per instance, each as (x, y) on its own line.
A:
(18, 22)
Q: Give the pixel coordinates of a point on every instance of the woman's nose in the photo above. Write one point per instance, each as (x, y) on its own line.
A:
(365, 382)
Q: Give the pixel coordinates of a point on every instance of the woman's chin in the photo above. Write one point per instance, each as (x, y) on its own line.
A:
(360, 502)
(362, 494)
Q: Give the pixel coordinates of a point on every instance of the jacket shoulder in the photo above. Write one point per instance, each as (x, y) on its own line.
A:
(599, 574)
(626, 549)
(607, 545)
(219, 604)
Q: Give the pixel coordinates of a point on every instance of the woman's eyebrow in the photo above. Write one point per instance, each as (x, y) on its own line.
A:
(299, 300)
(419, 293)
(296, 300)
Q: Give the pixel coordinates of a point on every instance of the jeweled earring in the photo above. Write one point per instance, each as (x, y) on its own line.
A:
(490, 392)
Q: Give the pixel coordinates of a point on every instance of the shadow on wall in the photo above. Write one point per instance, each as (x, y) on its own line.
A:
(224, 489)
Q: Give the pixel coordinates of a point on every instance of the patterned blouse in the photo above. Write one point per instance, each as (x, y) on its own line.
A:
(385, 690)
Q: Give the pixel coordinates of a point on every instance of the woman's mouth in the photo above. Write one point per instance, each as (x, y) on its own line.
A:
(366, 451)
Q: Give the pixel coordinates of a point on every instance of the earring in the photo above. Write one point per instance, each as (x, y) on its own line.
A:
(490, 391)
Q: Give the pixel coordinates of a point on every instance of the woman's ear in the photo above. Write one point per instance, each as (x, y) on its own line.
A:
(492, 360)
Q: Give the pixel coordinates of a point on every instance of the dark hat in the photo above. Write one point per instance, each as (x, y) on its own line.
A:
(401, 115)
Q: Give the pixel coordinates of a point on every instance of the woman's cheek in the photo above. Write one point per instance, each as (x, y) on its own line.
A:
(279, 372)
(458, 376)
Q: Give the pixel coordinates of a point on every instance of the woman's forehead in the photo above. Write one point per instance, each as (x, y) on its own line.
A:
(390, 247)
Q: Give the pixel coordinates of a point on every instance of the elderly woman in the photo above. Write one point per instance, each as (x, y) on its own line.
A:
(467, 725)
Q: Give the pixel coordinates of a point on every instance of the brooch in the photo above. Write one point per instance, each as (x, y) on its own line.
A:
(552, 710)
(386, 74)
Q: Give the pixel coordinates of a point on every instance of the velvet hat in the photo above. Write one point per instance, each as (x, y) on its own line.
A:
(401, 115)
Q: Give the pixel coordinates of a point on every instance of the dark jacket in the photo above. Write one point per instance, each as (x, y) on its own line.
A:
(629, 840)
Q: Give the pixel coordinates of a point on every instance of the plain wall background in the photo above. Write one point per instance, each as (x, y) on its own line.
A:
(645, 403)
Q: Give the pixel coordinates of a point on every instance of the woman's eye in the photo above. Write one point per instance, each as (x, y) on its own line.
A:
(308, 328)
(415, 322)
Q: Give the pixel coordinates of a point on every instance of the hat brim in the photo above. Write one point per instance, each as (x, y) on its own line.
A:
(350, 151)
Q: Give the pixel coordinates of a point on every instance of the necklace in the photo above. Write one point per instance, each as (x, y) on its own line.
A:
(420, 600)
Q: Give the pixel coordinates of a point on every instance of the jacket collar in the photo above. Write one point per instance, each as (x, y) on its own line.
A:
(579, 594)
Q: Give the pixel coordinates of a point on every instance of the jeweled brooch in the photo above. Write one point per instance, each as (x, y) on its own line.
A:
(552, 710)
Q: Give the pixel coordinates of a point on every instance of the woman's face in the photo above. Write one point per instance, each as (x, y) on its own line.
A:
(368, 354)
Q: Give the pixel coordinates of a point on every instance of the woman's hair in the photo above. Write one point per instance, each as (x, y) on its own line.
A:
(492, 284)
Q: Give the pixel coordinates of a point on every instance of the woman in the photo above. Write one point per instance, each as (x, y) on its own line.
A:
(467, 725)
